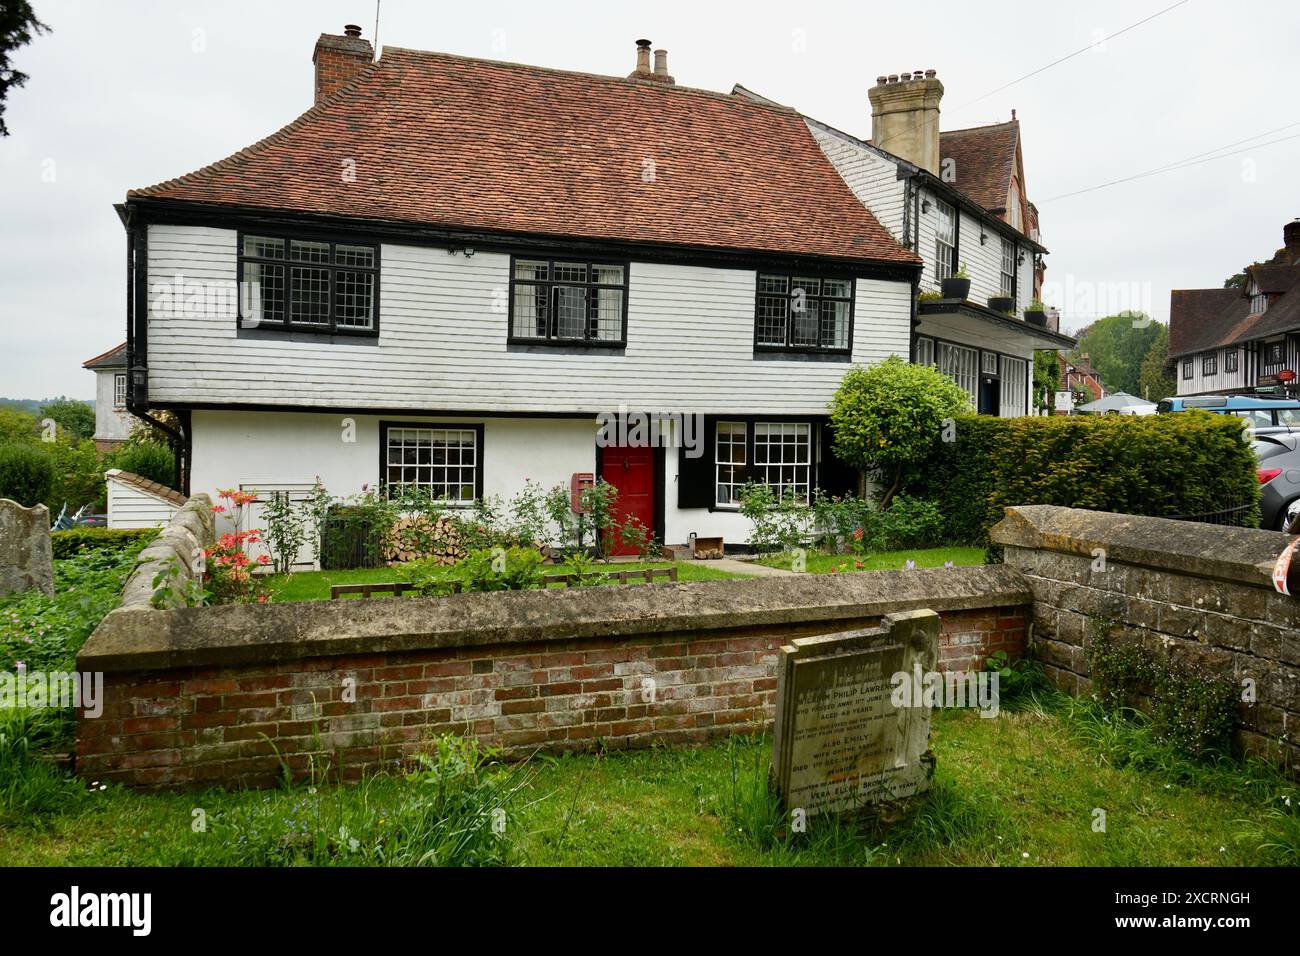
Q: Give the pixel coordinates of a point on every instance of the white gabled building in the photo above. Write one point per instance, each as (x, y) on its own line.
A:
(113, 423)
(449, 269)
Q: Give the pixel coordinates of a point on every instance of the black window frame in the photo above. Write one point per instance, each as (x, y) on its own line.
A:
(477, 427)
(1230, 363)
(954, 256)
(790, 275)
(552, 338)
(331, 328)
(1187, 368)
(1210, 364)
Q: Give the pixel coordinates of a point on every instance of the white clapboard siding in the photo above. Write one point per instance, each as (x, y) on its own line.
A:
(1219, 380)
(871, 177)
(442, 342)
(130, 507)
(298, 490)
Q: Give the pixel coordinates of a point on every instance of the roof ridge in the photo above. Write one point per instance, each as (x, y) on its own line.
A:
(971, 129)
(605, 77)
(271, 138)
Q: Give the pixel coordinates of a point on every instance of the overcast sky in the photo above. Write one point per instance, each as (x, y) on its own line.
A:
(127, 94)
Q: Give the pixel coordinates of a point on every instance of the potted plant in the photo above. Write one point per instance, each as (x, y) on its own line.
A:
(1002, 303)
(1036, 314)
(929, 295)
(957, 286)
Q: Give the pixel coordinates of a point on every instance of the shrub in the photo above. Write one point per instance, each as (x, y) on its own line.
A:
(78, 476)
(26, 474)
(148, 459)
(777, 525)
(848, 522)
(67, 544)
(911, 523)
(1161, 465)
(888, 418)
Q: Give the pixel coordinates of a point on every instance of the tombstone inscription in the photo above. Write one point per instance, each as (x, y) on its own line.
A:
(840, 744)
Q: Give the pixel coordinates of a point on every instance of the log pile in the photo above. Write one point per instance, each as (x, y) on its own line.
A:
(424, 538)
(708, 554)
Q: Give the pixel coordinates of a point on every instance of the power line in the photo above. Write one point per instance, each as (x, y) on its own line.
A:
(1042, 69)
(1181, 164)
(1090, 46)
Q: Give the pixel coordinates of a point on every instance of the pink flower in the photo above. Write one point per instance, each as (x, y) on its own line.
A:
(857, 534)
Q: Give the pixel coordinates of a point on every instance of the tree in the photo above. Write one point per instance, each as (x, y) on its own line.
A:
(17, 26)
(76, 418)
(1155, 380)
(889, 417)
(1116, 346)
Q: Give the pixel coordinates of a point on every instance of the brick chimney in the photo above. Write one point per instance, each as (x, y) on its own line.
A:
(1291, 241)
(905, 117)
(339, 58)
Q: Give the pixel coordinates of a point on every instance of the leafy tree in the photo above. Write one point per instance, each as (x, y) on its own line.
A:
(26, 474)
(1155, 380)
(890, 417)
(148, 459)
(1047, 379)
(1116, 346)
(17, 427)
(18, 24)
(78, 418)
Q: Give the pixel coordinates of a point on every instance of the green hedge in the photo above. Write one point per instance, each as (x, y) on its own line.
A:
(67, 544)
(1162, 465)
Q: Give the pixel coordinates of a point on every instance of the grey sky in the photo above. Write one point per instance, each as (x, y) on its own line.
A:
(131, 93)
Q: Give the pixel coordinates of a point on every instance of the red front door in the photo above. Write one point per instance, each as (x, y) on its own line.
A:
(632, 472)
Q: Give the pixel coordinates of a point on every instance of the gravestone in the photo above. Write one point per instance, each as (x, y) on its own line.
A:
(26, 556)
(840, 743)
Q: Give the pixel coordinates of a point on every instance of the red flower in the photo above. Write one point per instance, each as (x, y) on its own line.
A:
(857, 534)
(263, 559)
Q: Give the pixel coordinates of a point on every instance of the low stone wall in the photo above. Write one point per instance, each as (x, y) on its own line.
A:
(191, 530)
(1196, 590)
(221, 695)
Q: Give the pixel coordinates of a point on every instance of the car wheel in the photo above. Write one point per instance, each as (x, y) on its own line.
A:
(1285, 515)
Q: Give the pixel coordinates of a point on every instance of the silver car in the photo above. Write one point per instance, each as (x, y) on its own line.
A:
(1279, 478)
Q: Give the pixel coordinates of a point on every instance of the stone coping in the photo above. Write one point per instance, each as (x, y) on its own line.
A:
(1241, 555)
(139, 637)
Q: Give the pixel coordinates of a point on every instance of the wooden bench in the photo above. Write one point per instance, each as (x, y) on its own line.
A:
(398, 588)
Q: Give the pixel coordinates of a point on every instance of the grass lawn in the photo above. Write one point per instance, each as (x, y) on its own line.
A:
(1021, 789)
(315, 585)
(818, 563)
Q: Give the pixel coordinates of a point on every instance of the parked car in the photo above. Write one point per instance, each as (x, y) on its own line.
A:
(1265, 415)
(1279, 476)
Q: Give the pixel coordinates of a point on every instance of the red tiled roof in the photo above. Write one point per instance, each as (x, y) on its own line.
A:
(1202, 319)
(113, 358)
(147, 486)
(460, 142)
(983, 161)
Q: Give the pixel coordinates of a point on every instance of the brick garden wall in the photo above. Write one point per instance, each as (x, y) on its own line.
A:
(680, 679)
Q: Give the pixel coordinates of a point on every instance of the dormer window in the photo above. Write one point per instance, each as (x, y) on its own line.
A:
(1258, 300)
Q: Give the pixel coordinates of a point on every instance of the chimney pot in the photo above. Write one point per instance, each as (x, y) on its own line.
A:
(905, 117)
(351, 30)
(338, 59)
(930, 74)
(893, 77)
(905, 77)
(661, 62)
(881, 80)
(642, 60)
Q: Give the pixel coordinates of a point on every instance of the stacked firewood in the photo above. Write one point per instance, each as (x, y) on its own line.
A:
(708, 554)
(421, 538)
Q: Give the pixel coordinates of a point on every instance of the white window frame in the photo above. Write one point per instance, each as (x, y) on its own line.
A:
(1015, 387)
(961, 364)
(945, 240)
(440, 439)
(734, 437)
(1008, 269)
(1258, 300)
(925, 351)
(119, 390)
(1231, 361)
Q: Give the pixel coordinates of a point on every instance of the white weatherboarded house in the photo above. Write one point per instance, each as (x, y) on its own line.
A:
(449, 270)
(137, 502)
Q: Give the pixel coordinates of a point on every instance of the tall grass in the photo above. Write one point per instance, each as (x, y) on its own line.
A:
(30, 785)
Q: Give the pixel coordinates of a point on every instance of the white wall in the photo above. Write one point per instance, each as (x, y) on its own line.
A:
(130, 507)
(871, 177)
(442, 342)
(111, 424)
(1200, 382)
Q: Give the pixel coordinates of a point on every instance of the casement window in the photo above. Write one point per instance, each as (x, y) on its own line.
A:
(945, 240)
(119, 390)
(1275, 354)
(803, 313)
(1230, 361)
(568, 302)
(1210, 364)
(1008, 281)
(1258, 300)
(1187, 368)
(961, 364)
(1015, 386)
(925, 351)
(776, 454)
(445, 461)
(311, 285)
